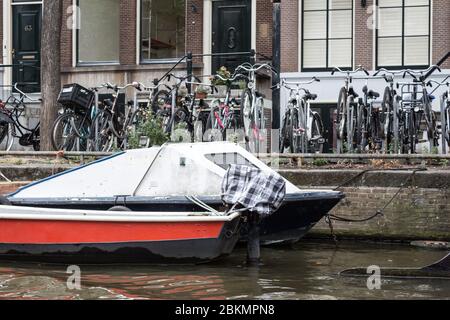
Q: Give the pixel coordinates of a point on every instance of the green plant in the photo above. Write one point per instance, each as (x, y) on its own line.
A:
(241, 84)
(149, 126)
(443, 162)
(320, 162)
(435, 150)
(224, 73)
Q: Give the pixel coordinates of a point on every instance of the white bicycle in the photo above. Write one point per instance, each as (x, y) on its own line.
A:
(252, 106)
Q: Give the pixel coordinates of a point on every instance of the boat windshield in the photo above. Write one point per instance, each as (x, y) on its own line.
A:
(224, 160)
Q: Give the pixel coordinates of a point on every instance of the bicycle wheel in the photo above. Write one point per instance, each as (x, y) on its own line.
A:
(258, 126)
(362, 138)
(102, 137)
(160, 99)
(246, 112)
(164, 117)
(215, 130)
(294, 135)
(445, 120)
(63, 133)
(341, 114)
(430, 119)
(286, 131)
(386, 120)
(316, 143)
(6, 136)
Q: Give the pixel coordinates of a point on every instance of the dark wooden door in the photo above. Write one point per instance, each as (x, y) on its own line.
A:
(231, 32)
(26, 51)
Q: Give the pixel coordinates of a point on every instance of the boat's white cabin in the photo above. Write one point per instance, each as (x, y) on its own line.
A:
(171, 170)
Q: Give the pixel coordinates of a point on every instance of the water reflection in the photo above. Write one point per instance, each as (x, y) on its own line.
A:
(306, 271)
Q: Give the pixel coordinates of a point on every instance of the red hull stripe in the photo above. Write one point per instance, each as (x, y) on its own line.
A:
(68, 232)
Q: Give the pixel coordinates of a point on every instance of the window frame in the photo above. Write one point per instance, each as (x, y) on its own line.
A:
(327, 38)
(403, 65)
(79, 63)
(163, 60)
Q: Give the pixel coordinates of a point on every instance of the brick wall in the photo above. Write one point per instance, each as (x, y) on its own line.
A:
(194, 28)
(441, 30)
(128, 30)
(264, 20)
(363, 38)
(289, 35)
(416, 214)
(66, 36)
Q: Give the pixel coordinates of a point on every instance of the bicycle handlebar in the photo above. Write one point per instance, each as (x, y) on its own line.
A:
(349, 72)
(428, 72)
(234, 78)
(24, 94)
(443, 83)
(254, 68)
(314, 79)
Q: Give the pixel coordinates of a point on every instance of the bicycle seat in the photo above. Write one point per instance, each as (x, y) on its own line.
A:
(365, 89)
(351, 92)
(260, 95)
(108, 102)
(130, 102)
(310, 96)
(373, 95)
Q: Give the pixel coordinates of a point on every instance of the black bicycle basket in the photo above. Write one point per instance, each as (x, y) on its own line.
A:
(76, 97)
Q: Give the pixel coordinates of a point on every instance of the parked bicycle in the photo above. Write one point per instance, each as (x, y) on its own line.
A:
(224, 116)
(368, 131)
(414, 108)
(110, 124)
(12, 113)
(347, 112)
(252, 105)
(445, 112)
(72, 128)
(302, 128)
(190, 109)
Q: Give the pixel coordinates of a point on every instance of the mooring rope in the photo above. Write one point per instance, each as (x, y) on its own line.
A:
(331, 217)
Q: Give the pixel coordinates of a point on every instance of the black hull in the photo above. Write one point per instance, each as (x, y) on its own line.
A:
(297, 215)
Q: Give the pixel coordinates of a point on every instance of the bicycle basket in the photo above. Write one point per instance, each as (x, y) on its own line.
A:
(75, 96)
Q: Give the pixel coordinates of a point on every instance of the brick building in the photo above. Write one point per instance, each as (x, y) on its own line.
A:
(137, 40)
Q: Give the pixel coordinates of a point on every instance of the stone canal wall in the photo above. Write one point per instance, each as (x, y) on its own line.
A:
(420, 211)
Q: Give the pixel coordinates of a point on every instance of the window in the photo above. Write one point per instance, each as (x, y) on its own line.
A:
(224, 160)
(403, 33)
(327, 34)
(98, 35)
(162, 29)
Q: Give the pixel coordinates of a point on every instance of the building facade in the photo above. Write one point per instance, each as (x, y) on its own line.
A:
(127, 39)
(121, 41)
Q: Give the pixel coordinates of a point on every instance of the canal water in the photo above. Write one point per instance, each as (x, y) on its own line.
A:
(304, 271)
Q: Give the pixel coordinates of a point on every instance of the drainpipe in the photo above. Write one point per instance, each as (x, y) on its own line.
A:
(276, 62)
(189, 67)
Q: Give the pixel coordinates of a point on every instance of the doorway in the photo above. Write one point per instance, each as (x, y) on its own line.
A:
(231, 32)
(26, 46)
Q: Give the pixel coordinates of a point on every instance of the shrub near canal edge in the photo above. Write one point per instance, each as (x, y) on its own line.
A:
(150, 127)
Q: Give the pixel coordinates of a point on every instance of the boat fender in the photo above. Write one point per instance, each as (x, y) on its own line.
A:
(119, 208)
(4, 201)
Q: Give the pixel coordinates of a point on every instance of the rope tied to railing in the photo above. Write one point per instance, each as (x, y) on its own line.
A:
(330, 217)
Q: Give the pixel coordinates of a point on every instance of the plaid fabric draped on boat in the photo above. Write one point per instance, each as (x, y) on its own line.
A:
(255, 190)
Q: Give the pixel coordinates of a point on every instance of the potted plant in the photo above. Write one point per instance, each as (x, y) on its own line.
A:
(220, 84)
(201, 92)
